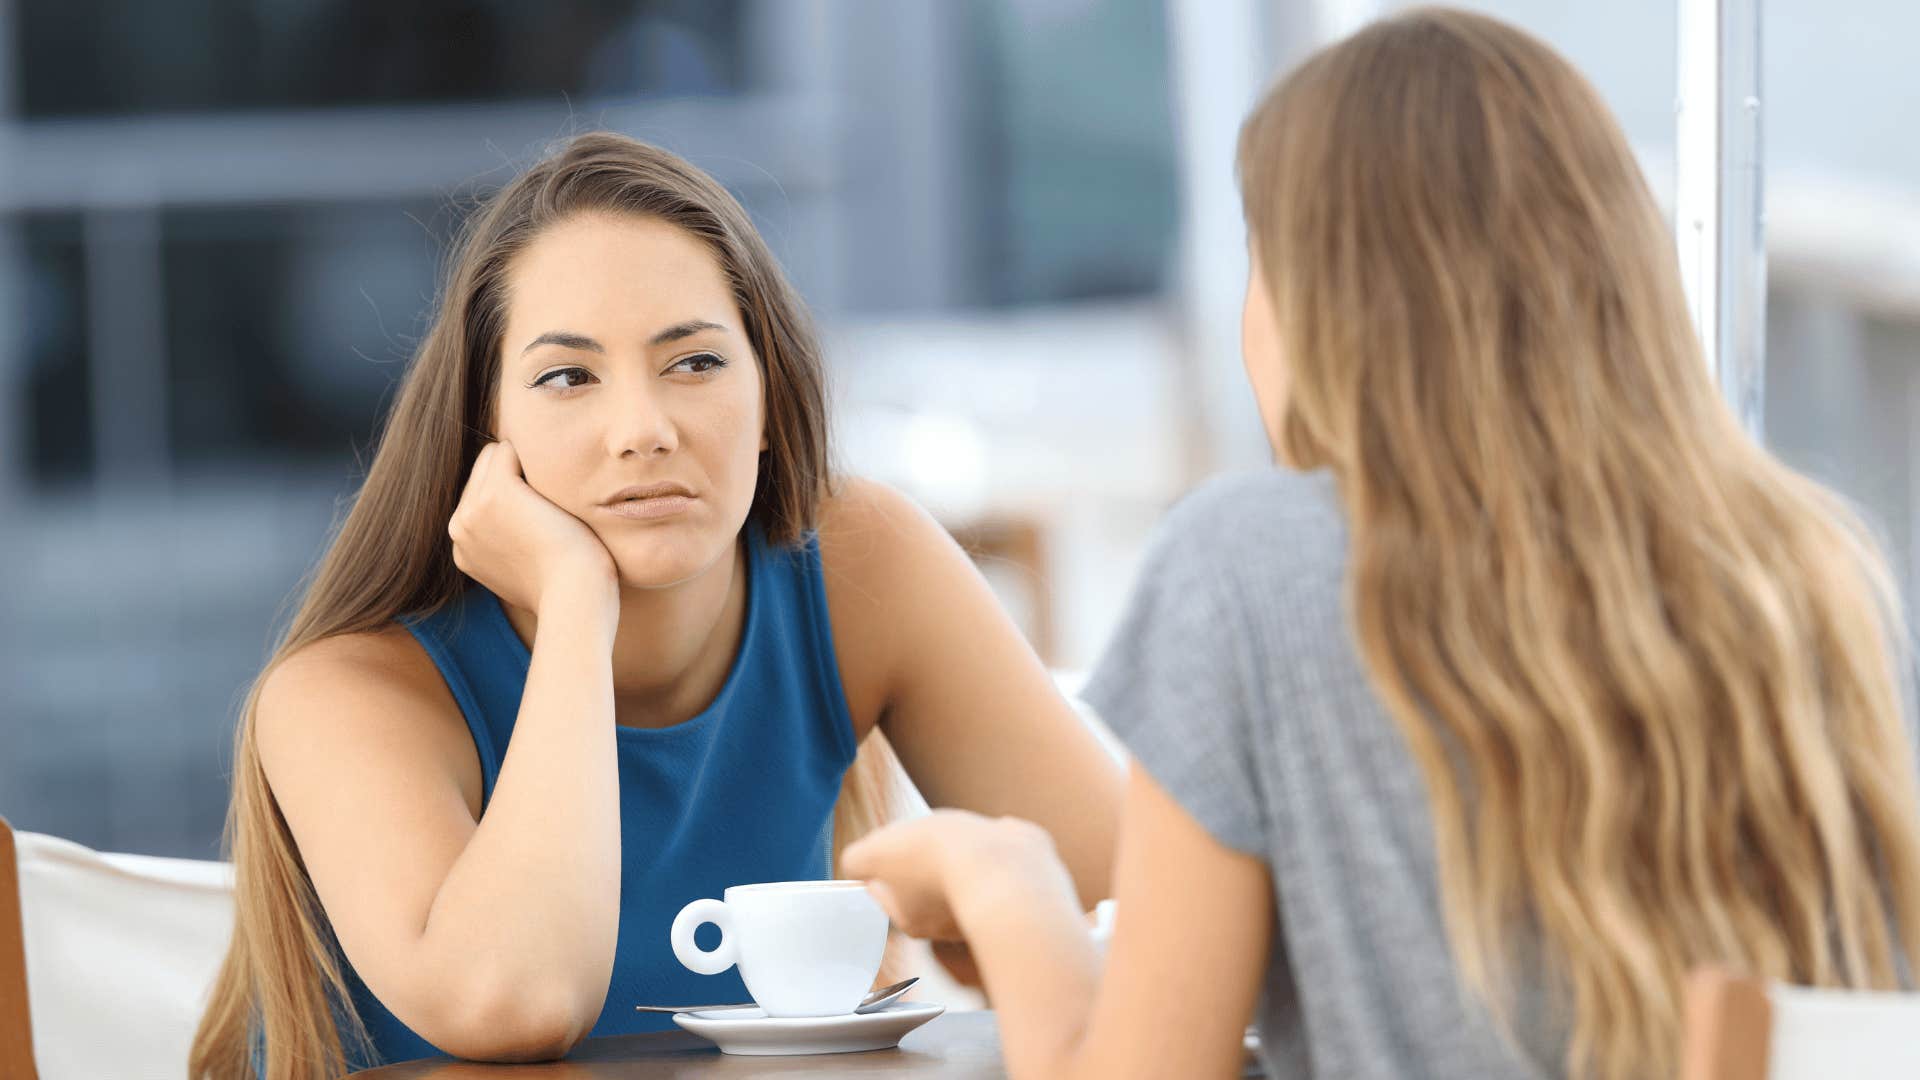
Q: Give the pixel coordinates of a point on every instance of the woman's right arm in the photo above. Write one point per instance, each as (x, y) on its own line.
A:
(491, 937)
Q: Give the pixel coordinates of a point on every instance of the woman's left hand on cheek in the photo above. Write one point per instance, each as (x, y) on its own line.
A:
(912, 867)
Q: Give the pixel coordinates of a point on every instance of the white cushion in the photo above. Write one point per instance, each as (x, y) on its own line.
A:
(121, 951)
(1859, 1035)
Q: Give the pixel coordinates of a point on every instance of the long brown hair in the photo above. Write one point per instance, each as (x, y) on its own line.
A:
(1651, 676)
(282, 981)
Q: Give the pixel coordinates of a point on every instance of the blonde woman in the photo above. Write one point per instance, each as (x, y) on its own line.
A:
(1543, 686)
(599, 637)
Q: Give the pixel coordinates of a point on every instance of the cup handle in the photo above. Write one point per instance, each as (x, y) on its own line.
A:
(692, 917)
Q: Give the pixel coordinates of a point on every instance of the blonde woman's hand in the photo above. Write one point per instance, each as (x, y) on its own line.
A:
(957, 956)
(925, 871)
(525, 549)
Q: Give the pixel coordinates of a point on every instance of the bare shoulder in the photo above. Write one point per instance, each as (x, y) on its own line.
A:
(876, 546)
(347, 697)
(864, 520)
(376, 667)
(874, 539)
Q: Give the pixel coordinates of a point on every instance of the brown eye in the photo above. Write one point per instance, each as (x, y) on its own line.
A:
(564, 378)
(699, 363)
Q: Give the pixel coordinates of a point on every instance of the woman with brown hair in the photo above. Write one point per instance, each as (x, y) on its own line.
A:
(1548, 685)
(600, 636)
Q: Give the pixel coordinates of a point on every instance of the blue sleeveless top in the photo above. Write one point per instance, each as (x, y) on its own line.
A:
(743, 792)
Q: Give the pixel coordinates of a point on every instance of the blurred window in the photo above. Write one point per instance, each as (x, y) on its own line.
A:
(95, 57)
(1078, 126)
(286, 326)
(58, 386)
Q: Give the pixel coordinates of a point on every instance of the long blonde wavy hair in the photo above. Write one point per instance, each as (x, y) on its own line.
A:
(1651, 677)
(281, 986)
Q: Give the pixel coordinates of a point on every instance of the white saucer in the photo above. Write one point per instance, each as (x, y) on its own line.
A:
(753, 1032)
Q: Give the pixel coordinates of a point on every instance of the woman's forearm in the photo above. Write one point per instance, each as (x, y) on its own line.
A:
(1017, 906)
(538, 884)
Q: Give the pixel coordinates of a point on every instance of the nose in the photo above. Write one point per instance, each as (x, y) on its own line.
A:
(640, 425)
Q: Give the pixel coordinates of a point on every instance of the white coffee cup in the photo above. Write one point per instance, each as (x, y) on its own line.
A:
(804, 948)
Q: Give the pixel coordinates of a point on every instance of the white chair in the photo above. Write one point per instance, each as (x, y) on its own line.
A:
(105, 959)
(1747, 1029)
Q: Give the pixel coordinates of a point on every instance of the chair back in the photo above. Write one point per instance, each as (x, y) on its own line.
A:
(1747, 1029)
(111, 960)
(16, 1026)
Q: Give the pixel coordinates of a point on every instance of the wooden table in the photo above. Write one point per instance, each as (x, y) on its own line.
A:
(953, 1046)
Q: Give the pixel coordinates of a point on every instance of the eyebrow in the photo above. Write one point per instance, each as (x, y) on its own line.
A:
(683, 330)
(567, 339)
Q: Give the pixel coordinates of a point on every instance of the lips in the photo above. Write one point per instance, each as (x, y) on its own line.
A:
(662, 490)
(659, 506)
(649, 502)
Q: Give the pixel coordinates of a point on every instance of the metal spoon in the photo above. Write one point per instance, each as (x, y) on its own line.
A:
(876, 1000)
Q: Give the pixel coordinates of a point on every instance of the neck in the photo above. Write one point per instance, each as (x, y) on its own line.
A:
(675, 645)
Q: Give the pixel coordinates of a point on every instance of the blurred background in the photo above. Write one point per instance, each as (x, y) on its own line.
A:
(221, 221)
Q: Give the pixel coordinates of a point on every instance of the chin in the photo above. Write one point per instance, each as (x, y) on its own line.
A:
(669, 557)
